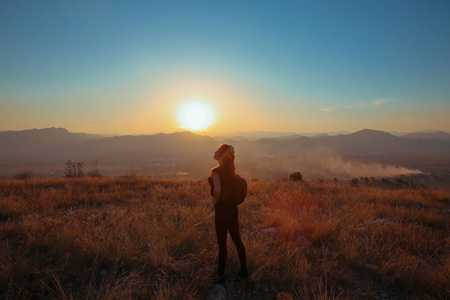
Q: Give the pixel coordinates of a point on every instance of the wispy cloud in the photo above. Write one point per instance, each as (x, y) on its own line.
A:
(376, 102)
(379, 102)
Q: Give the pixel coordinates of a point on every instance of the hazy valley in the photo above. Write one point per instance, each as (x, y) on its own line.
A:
(419, 157)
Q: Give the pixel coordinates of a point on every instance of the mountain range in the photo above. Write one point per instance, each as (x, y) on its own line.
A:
(54, 145)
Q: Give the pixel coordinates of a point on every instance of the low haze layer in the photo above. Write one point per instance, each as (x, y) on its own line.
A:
(366, 153)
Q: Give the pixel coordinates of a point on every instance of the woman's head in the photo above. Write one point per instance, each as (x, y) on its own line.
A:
(224, 151)
(225, 156)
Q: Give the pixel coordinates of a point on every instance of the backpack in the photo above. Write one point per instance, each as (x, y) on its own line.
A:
(238, 189)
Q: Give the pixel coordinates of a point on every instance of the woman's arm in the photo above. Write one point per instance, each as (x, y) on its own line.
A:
(216, 179)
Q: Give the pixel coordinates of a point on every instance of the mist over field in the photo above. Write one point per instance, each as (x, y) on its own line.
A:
(323, 165)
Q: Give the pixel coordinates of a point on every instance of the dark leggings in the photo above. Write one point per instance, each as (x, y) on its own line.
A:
(231, 224)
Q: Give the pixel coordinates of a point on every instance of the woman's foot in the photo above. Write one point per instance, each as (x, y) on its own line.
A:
(218, 279)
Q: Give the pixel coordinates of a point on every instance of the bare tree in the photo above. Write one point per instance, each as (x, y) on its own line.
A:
(70, 171)
(74, 169)
(80, 167)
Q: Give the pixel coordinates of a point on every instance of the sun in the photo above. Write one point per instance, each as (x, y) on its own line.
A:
(195, 115)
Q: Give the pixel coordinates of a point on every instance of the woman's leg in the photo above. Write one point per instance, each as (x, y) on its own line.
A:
(233, 227)
(221, 232)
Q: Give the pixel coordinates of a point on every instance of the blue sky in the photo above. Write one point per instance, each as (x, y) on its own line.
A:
(112, 66)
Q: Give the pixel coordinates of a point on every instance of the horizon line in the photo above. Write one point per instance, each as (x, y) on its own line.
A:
(224, 134)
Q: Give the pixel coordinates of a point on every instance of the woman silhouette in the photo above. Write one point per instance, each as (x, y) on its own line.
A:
(226, 213)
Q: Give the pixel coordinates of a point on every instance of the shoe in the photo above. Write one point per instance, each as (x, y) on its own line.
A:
(218, 278)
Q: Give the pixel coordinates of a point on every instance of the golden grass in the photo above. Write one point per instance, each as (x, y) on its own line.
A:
(115, 238)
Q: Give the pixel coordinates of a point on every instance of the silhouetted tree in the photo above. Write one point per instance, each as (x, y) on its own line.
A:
(80, 167)
(70, 172)
(74, 169)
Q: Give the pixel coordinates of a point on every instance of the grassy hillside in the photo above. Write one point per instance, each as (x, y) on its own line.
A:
(113, 238)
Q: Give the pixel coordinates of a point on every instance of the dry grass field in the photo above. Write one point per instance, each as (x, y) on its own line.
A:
(140, 238)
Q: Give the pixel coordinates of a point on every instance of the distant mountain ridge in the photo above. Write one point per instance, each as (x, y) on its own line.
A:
(52, 135)
(438, 135)
(58, 145)
(258, 135)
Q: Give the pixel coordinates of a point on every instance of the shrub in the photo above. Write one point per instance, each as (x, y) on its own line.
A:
(297, 176)
(24, 175)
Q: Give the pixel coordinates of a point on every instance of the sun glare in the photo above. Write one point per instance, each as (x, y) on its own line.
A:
(195, 115)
